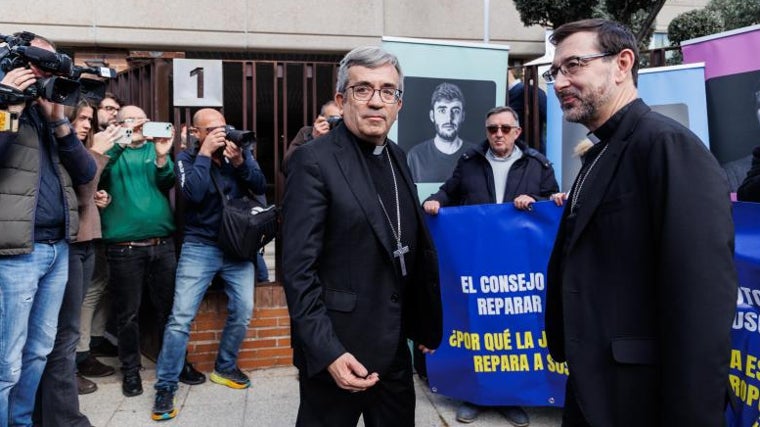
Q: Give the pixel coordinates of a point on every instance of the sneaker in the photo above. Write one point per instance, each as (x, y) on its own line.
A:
(234, 378)
(467, 412)
(92, 367)
(131, 384)
(515, 415)
(190, 375)
(163, 406)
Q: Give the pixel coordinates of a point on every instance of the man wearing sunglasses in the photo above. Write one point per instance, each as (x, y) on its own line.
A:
(500, 170)
(641, 285)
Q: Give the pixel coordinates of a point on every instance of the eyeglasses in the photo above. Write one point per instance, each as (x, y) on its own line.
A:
(572, 65)
(364, 93)
(505, 129)
(110, 108)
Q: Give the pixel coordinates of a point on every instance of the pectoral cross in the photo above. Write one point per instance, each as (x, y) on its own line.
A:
(399, 253)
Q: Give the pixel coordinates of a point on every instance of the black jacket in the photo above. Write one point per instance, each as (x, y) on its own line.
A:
(641, 286)
(472, 182)
(344, 292)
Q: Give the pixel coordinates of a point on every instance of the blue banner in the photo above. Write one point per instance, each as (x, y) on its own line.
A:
(744, 373)
(493, 284)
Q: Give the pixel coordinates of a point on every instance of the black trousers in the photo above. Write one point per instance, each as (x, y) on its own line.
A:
(134, 269)
(572, 416)
(390, 402)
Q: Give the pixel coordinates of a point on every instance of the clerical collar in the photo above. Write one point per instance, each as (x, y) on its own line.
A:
(605, 131)
(369, 148)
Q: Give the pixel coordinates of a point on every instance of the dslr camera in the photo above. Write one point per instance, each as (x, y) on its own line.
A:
(241, 138)
(63, 87)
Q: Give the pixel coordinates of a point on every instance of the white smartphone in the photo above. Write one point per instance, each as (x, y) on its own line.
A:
(157, 130)
(125, 136)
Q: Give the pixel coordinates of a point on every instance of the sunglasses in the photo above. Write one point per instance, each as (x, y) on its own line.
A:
(504, 128)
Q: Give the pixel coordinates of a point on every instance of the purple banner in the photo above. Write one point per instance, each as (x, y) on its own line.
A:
(731, 52)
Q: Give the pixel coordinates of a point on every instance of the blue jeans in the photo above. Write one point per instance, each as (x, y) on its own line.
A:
(198, 263)
(57, 398)
(31, 291)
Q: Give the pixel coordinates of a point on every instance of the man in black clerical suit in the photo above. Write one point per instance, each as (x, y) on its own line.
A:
(641, 285)
(360, 269)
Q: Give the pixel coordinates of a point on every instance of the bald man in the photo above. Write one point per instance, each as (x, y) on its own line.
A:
(137, 229)
(201, 258)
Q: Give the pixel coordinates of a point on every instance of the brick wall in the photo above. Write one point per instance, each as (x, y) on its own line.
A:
(267, 343)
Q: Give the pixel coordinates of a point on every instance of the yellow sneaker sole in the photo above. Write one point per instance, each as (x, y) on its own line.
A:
(163, 416)
(227, 382)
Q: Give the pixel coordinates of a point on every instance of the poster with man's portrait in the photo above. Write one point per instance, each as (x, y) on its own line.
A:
(440, 120)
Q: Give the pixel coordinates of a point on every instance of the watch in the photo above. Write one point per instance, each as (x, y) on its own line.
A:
(55, 124)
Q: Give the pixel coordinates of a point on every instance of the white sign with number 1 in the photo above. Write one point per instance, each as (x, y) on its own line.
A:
(198, 83)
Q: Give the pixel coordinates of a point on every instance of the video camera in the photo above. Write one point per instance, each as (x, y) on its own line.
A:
(62, 88)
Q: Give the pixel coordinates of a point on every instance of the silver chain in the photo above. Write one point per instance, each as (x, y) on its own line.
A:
(577, 190)
(398, 209)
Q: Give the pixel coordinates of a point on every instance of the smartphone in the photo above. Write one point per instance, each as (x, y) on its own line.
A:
(157, 130)
(125, 136)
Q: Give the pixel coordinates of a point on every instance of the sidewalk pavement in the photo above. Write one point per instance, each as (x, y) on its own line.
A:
(271, 401)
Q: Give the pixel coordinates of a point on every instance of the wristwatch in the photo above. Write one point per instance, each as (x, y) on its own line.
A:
(63, 121)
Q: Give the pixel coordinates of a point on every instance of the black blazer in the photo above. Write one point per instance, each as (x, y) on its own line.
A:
(641, 295)
(343, 291)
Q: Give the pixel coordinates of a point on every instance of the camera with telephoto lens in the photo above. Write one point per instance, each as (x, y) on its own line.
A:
(241, 138)
(63, 87)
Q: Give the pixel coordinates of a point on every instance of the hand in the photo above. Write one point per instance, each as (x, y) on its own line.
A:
(163, 146)
(351, 375)
(104, 140)
(50, 110)
(234, 153)
(524, 202)
(424, 349)
(213, 141)
(102, 199)
(19, 78)
(320, 127)
(558, 198)
(432, 207)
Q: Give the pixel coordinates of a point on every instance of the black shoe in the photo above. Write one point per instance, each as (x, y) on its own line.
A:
(85, 386)
(92, 367)
(515, 415)
(131, 385)
(190, 375)
(163, 406)
(104, 348)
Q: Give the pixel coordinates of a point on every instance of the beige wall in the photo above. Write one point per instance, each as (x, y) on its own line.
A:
(277, 25)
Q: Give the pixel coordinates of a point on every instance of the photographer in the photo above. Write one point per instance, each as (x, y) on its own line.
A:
(137, 228)
(224, 164)
(329, 117)
(41, 161)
